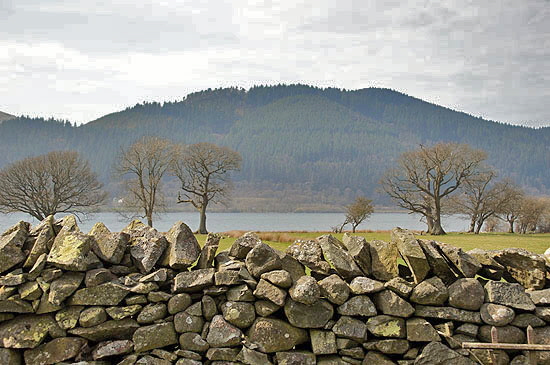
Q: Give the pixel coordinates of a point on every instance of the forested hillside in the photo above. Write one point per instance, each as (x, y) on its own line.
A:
(307, 145)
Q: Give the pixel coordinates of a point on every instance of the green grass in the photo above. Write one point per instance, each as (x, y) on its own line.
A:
(537, 243)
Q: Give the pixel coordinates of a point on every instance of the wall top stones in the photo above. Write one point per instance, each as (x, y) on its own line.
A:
(143, 297)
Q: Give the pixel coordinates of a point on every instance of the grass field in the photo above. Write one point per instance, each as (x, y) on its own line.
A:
(537, 243)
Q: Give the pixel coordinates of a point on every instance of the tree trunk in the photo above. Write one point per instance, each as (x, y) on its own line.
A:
(436, 228)
(353, 226)
(511, 226)
(430, 223)
(149, 219)
(472, 224)
(478, 228)
(202, 223)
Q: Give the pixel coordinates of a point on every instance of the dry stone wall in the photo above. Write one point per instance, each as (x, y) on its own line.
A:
(143, 297)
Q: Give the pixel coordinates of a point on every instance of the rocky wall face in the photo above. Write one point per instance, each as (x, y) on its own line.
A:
(142, 297)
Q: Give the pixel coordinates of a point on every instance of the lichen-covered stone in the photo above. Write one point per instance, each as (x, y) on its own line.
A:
(223, 334)
(511, 295)
(431, 291)
(387, 326)
(183, 248)
(323, 342)
(55, 351)
(448, 313)
(242, 245)
(420, 330)
(266, 290)
(11, 244)
(240, 314)
(359, 250)
(411, 252)
(384, 260)
(280, 278)
(261, 259)
(352, 328)
(315, 315)
(110, 330)
(112, 348)
(363, 285)
(392, 304)
(295, 358)
(466, 293)
(334, 289)
(27, 332)
(305, 290)
(105, 294)
(310, 254)
(92, 316)
(208, 252)
(360, 305)
(71, 251)
(192, 281)
(435, 353)
(274, 335)
(334, 252)
(523, 267)
(62, 288)
(146, 252)
(496, 314)
(108, 246)
(152, 312)
(464, 264)
(154, 337)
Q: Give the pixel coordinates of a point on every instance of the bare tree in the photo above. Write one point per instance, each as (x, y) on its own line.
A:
(57, 182)
(141, 167)
(357, 212)
(481, 198)
(203, 170)
(531, 212)
(510, 210)
(428, 175)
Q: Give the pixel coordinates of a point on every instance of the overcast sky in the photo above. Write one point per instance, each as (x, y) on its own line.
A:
(80, 59)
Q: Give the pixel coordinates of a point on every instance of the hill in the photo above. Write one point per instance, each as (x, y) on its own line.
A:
(5, 116)
(303, 147)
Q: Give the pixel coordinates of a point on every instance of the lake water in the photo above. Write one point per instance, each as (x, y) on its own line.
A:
(221, 222)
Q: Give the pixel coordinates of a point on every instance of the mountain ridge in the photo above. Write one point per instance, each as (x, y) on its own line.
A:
(327, 145)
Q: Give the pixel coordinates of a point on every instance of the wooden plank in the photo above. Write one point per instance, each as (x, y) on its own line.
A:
(505, 346)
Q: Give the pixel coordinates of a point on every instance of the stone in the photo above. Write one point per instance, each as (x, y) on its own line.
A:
(92, 316)
(274, 335)
(65, 286)
(208, 252)
(44, 306)
(280, 278)
(30, 291)
(152, 312)
(119, 313)
(462, 263)
(352, 328)
(305, 290)
(308, 316)
(158, 276)
(183, 248)
(154, 337)
(384, 260)
(227, 277)
(209, 308)
(178, 303)
(112, 348)
(437, 261)
(377, 358)
(310, 254)
(540, 297)
(43, 235)
(70, 251)
(334, 289)
(193, 342)
(447, 313)
(106, 331)
(543, 313)
(97, 277)
(335, 254)
(158, 296)
(11, 244)
(14, 278)
(435, 353)
(242, 293)
(468, 329)
(490, 268)
(67, 318)
(387, 326)
(466, 293)
(147, 251)
(28, 331)
(391, 346)
(420, 330)
(510, 295)
(242, 245)
(192, 281)
(412, 253)
(265, 308)
(323, 342)
(108, 246)
(223, 334)
(496, 314)
(240, 314)
(38, 267)
(261, 259)
(55, 351)
(510, 334)
(107, 294)
(10, 357)
(14, 305)
(523, 267)
(295, 358)
(431, 291)
(266, 290)
(542, 336)
(292, 266)
(222, 354)
(363, 285)
(251, 357)
(185, 322)
(400, 286)
(195, 309)
(359, 305)
(523, 320)
(359, 250)
(392, 304)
